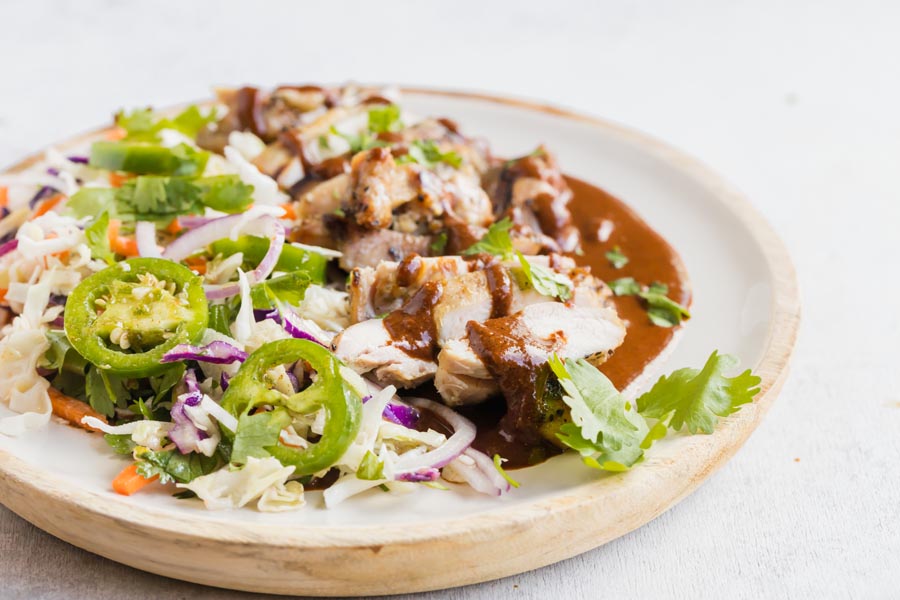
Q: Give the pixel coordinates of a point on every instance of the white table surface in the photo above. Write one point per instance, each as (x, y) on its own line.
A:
(795, 102)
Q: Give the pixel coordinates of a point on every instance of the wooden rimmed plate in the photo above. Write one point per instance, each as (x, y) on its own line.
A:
(745, 303)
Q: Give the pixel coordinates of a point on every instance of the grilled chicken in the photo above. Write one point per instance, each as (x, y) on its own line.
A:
(368, 347)
(363, 248)
(469, 292)
(533, 192)
(527, 337)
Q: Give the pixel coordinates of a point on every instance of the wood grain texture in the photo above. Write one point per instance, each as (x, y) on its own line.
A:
(281, 560)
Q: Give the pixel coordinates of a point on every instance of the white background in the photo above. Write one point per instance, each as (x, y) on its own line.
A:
(795, 102)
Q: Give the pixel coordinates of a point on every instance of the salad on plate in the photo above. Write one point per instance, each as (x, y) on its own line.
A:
(311, 288)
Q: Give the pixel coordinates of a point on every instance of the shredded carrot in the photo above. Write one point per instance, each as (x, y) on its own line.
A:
(289, 212)
(115, 134)
(4, 196)
(174, 227)
(72, 409)
(48, 205)
(196, 263)
(3, 294)
(117, 179)
(120, 244)
(130, 481)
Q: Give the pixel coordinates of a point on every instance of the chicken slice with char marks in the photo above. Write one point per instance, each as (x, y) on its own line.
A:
(525, 339)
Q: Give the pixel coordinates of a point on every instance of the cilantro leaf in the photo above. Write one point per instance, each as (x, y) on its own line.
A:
(120, 444)
(139, 123)
(190, 121)
(91, 201)
(105, 391)
(154, 197)
(167, 380)
(226, 193)
(288, 289)
(97, 238)
(55, 356)
(695, 399)
(385, 119)
(605, 428)
(626, 286)
(142, 124)
(427, 153)
(658, 288)
(545, 281)
(439, 243)
(257, 432)
(616, 258)
(363, 141)
(662, 310)
(172, 466)
(496, 241)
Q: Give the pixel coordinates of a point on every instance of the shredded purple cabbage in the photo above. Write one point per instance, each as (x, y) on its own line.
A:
(45, 192)
(81, 160)
(185, 435)
(294, 330)
(53, 171)
(217, 352)
(401, 414)
(426, 474)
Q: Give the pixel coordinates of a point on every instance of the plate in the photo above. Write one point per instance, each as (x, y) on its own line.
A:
(745, 303)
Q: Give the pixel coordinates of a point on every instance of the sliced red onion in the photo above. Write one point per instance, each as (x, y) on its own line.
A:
(489, 469)
(8, 247)
(218, 352)
(456, 444)
(401, 414)
(145, 236)
(189, 222)
(468, 469)
(203, 236)
(276, 235)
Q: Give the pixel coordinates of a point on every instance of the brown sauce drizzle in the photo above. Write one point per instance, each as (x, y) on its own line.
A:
(503, 346)
(408, 270)
(500, 285)
(412, 326)
(651, 259)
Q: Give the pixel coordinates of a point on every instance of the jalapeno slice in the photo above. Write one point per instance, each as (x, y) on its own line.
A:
(342, 404)
(126, 317)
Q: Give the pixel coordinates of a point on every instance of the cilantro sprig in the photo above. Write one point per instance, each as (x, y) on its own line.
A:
(497, 241)
(161, 198)
(616, 258)
(695, 399)
(612, 434)
(428, 154)
(661, 310)
(143, 125)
